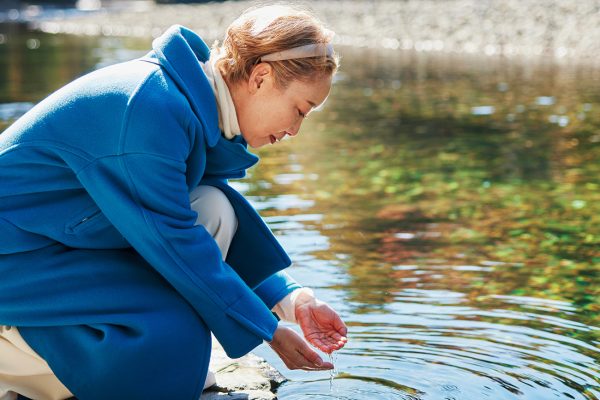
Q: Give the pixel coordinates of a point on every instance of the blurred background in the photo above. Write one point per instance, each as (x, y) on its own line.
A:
(446, 200)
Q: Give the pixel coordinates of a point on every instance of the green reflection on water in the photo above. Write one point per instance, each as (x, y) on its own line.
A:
(407, 174)
(32, 64)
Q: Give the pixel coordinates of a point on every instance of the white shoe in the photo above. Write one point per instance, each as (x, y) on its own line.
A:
(210, 379)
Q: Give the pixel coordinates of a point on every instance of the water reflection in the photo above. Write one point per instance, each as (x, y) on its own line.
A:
(32, 65)
(447, 207)
(464, 229)
(12, 111)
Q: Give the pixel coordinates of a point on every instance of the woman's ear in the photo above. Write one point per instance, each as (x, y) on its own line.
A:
(261, 73)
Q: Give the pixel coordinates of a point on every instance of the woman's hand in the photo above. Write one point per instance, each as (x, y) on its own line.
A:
(321, 325)
(295, 352)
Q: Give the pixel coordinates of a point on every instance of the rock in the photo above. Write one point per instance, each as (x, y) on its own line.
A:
(239, 395)
(249, 377)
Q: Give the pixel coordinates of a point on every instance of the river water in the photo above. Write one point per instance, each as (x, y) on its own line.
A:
(448, 207)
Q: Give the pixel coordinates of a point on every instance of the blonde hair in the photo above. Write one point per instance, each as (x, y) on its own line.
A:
(268, 29)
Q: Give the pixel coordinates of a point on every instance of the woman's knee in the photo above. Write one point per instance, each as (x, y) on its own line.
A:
(177, 350)
(216, 214)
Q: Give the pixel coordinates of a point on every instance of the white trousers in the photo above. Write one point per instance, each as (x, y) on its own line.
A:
(24, 372)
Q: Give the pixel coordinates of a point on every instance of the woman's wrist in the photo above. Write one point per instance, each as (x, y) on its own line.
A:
(301, 296)
(286, 308)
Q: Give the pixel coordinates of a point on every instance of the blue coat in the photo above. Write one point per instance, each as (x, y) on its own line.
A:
(94, 184)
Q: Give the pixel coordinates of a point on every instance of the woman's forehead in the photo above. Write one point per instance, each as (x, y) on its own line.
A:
(312, 93)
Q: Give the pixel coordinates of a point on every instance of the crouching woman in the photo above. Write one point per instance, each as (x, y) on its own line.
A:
(122, 245)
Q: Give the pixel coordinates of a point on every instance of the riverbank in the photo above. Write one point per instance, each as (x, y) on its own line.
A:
(246, 378)
(560, 30)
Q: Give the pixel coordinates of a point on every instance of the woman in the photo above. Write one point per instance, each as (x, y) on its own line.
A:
(122, 245)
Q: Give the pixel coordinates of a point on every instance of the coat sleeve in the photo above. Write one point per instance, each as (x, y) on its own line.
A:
(275, 288)
(144, 194)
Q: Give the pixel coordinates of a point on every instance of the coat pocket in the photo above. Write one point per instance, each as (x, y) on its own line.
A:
(85, 220)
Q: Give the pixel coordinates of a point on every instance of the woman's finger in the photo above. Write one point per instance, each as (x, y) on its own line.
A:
(286, 360)
(301, 362)
(336, 321)
(339, 326)
(313, 359)
(333, 340)
(295, 352)
(336, 337)
(327, 348)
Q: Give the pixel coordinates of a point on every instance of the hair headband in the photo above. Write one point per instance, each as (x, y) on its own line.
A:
(309, 50)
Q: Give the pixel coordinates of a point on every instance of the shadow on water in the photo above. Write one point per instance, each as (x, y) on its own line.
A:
(448, 207)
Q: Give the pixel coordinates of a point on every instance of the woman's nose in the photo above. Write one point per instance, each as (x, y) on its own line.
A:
(293, 131)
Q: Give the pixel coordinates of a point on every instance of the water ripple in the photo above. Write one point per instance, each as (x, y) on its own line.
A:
(516, 359)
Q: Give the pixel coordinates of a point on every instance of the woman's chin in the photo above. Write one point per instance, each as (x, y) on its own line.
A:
(253, 142)
(258, 142)
(255, 145)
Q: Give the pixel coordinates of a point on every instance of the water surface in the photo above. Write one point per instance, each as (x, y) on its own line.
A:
(448, 207)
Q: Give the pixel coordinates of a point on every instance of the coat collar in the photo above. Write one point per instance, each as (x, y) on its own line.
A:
(180, 51)
(229, 158)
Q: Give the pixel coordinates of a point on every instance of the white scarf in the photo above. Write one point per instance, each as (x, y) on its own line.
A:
(228, 122)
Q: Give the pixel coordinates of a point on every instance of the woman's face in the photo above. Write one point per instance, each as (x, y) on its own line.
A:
(266, 113)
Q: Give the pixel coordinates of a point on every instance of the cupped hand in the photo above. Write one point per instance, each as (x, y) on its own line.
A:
(321, 325)
(295, 352)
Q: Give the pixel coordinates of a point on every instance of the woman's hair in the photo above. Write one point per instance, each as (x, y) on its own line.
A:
(264, 30)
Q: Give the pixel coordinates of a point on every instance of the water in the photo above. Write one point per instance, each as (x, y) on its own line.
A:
(332, 373)
(447, 207)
